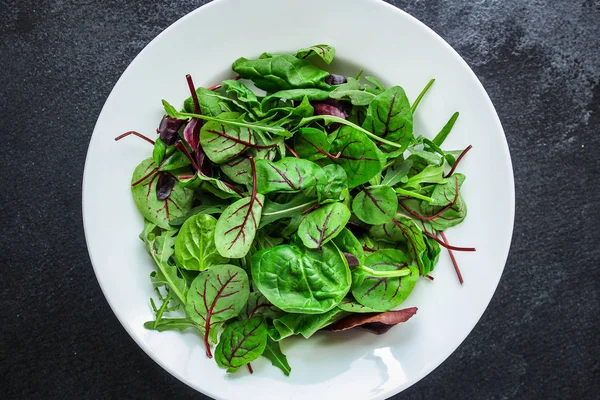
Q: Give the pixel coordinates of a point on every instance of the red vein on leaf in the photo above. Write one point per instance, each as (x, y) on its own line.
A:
(289, 148)
(465, 151)
(437, 214)
(223, 134)
(210, 313)
(460, 278)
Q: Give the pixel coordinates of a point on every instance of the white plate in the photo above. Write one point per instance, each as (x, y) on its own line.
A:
(387, 43)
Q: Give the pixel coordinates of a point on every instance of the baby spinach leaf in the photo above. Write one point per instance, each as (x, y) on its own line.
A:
(237, 225)
(375, 205)
(323, 224)
(332, 181)
(383, 293)
(160, 149)
(301, 280)
(348, 243)
(311, 144)
(375, 323)
(281, 72)
(241, 342)
(324, 51)
(303, 324)
(352, 306)
(161, 212)
(359, 156)
(286, 175)
(210, 102)
(195, 244)
(216, 296)
(274, 354)
(389, 117)
(161, 250)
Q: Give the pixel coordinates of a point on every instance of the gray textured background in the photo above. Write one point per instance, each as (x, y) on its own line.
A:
(540, 63)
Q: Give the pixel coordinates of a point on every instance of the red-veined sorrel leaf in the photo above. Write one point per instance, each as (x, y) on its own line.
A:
(161, 212)
(376, 204)
(216, 296)
(237, 225)
(286, 175)
(241, 342)
(375, 323)
(323, 224)
(389, 117)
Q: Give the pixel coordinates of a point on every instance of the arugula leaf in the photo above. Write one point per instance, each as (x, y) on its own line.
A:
(275, 355)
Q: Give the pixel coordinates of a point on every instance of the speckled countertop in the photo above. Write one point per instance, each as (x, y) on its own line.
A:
(540, 62)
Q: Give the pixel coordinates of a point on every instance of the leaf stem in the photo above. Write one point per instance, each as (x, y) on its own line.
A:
(266, 128)
(460, 278)
(413, 194)
(448, 246)
(135, 134)
(162, 309)
(420, 96)
(386, 274)
(331, 118)
(465, 151)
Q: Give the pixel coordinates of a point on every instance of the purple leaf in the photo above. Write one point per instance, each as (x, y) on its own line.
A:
(328, 109)
(168, 129)
(164, 186)
(378, 323)
(191, 133)
(335, 79)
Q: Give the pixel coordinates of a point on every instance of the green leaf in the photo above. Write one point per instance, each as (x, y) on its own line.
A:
(421, 95)
(161, 249)
(214, 186)
(258, 304)
(444, 193)
(286, 175)
(216, 296)
(431, 174)
(201, 209)
(348, 243)
(170, 324)
(160, 212)
(298, 94)
(397, 172)
(301, 280)
(443, 134)
(389, 117)
(160, 149)
(332, 181)
(383, 293)
(281, 72)
(274, 354)
(311, 144)
(241, 342)
(210, 102)
(375, 205)
(303, 324)
(359, 156)
(447, 216)
(222, 142)
(323, 224)
(377, 85)
(353, 92)
(195, 244)
(324, 51)
(237, 226)
(242, 93)
(274, 211)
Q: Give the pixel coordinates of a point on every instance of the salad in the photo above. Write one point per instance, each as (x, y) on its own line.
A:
(290, 200)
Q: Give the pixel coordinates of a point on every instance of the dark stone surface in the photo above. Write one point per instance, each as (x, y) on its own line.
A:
(539, 61)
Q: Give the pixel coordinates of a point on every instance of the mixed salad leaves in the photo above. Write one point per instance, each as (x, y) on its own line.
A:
(308, 204)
